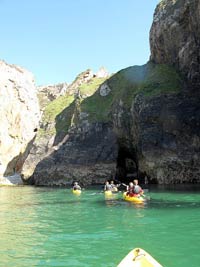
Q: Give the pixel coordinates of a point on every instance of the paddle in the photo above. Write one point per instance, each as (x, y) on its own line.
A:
(123, 184)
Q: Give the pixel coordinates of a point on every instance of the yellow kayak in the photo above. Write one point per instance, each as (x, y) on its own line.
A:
(133, 199)
(76, 192)
(139, 258)
(108, 193)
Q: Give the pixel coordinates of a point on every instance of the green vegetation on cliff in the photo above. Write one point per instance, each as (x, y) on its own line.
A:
(57, 106)
(148, 80)
(62, 112)
(97, 107)
(89, 88)
(54, 109)
(160, 79)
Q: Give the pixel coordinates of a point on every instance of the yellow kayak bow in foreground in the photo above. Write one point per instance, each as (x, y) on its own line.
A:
(139, 258)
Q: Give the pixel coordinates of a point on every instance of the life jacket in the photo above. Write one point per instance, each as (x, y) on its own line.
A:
(130, 191)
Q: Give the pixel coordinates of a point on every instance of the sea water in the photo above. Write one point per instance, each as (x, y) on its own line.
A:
(52, 227)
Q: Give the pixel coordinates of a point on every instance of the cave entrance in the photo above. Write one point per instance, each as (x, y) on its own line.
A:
(127, 165)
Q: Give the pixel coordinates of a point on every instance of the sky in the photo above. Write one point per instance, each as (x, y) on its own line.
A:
(58, 39)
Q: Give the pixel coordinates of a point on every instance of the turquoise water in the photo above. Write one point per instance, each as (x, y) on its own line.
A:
(53, 227)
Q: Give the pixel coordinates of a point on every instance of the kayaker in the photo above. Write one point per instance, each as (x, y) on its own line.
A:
(76, 186)
(113, 186)
(107, 186)
(137, 188)
(130, 189)
(134, 190)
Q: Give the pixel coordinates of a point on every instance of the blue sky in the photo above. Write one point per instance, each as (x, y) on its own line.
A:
(58, 39)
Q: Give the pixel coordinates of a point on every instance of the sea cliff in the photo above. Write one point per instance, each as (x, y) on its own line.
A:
(20, 115)
(142, 121)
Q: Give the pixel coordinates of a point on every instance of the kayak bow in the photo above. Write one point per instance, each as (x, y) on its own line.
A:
(138, 258)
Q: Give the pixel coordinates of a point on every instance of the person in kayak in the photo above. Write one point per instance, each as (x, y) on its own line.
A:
(130, 189)
(137, 189)
(134, 190)
(113, 186)
(107, 186)
(76, 186)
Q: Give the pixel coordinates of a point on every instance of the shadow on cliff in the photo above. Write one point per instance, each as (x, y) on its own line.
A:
(143, 108)
(63, 122)
(98, 111)
(86, 130)
(16, 164)
(77, 147)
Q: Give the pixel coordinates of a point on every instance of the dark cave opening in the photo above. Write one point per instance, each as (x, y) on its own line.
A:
(127, 166)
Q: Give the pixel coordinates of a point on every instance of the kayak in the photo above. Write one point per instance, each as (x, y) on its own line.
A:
(108, 193)
(139, 258)
(76, 192)
(136, 199)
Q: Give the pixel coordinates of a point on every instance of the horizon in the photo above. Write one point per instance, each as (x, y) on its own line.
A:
(56, 41)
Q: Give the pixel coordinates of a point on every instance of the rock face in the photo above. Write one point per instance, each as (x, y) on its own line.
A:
(86, 154)
(143, 121)
(138, 130)
(175, 37)
(160, 133)
(20, 116)
(68, 145)
(48, 93)
(167, 137)
(102, 73)
(175, 40)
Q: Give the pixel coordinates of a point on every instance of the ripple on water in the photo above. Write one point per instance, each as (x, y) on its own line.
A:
(52, 227)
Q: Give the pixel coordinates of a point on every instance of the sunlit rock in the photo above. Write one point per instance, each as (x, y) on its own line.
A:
(20, 116)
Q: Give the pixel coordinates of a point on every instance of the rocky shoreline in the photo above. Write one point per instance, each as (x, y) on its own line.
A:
(13, 180)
